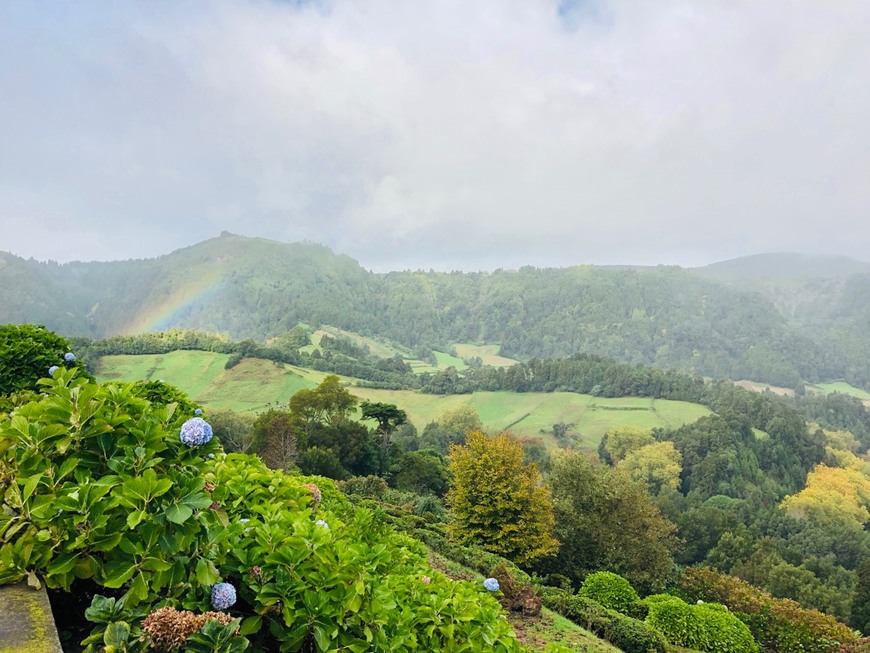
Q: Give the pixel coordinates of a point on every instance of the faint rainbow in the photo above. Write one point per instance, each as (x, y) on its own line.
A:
(162, 314)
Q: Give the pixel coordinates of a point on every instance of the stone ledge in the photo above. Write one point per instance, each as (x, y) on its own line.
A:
(26, 622)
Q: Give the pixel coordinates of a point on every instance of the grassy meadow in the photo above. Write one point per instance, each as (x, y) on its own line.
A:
(255, 384)
(487, 353)
(843, 388)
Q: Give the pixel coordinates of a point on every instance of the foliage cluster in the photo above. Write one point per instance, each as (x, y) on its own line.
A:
(97, 486)
(27, 352)
(606, 521)
(610, 590)
(776, 624)
(629, 634)
(702, 627)
(497, 501)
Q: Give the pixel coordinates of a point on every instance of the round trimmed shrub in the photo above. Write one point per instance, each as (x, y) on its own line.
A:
(703, 627)
(675, 619)
(723, 631)
(610, 590)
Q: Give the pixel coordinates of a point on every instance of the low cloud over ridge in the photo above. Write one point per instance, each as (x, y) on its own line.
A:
(443, 134)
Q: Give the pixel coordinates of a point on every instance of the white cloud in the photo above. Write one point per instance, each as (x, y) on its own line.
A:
(444, 133)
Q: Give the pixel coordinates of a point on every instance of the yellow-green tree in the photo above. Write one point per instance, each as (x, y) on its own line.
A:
(619, 441)
(658, 465)
(832, 495)
(498, 502)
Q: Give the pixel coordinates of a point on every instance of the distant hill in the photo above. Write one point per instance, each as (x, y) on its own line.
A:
(783, 265)
(779, 332)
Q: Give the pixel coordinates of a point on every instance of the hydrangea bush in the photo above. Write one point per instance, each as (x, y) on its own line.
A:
(27, 351)
(99, 484)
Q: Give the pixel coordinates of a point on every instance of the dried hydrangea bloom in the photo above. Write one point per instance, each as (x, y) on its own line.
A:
(196, 431)
(69, 357)
(491, 584)
(223, 595)
(167, 629)
(426, 580)
(316, 495)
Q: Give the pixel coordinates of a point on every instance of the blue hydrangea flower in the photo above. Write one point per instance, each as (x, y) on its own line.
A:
(198, 411)
(69, 357)
(52, 370)
(491, 584)
(223, 595)
(195, 431)
(320, 522)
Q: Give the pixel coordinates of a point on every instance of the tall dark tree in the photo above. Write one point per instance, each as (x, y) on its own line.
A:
(389, 417)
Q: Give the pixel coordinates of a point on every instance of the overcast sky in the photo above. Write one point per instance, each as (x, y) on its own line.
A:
(446, 134)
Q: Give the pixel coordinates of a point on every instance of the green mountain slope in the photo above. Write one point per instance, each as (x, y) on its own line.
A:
(668, 317)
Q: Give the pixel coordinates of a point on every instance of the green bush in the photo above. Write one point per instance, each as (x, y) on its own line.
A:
(365, 486)
(626, 633)
(27, 352)
(610, 590)
(776, 624)
(95, 484)
(723, 631)
(429, 505)
(633, 636)
(703, 627)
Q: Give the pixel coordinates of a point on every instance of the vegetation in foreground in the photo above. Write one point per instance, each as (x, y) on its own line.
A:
(102, 495)
(316, 413)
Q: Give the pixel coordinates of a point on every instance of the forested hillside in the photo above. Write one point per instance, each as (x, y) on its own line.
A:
(734, 325)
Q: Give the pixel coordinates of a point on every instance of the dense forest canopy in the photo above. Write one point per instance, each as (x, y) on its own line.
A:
(774, 330)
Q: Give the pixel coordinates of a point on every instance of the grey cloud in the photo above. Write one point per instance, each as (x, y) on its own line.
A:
(439, 133)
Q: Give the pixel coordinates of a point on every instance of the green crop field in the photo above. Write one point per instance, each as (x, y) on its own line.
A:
(254, 385)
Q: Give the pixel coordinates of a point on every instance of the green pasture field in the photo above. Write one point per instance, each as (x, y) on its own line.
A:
(252, 385)
(487, 353)
(255, 385)
(755, 386)
(843, 388)
(379, 348)
(384, 349)
(446, 360)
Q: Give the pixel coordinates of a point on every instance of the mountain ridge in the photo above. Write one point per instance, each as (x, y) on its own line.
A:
(665, 315)
(844, 265)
